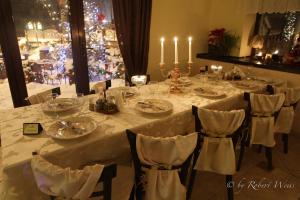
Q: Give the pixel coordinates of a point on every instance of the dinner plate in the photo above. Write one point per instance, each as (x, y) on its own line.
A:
(209, 93)
(245, 85)
(154, 106)
(270, 81)
(76, 127)
(60, 105)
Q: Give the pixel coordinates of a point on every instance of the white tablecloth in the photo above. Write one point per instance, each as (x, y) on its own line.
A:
(107, 144)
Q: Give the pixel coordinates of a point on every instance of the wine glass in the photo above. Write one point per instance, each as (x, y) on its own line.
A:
(139, 80)
(51, 103)
(81, 101)
(153, 86)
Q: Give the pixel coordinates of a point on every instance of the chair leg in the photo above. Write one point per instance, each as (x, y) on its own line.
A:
(229, 186)
(285, 139)
(241, 156)
(107, 190)
(191, 184)
(259, 148)
(269, 157)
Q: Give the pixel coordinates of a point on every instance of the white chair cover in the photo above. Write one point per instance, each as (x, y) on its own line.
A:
(71, 184)
(217, 154)
(262, 126)
(164, 184)
(39, 97)
(285, 119)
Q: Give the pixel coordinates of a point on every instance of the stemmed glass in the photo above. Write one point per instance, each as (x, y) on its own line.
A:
(153, 86)
(53, 105)
(139, 80)
(80, 98)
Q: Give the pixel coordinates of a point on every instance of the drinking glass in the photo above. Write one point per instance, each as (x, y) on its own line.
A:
(50, 100)
(153, 86)
(139, 80)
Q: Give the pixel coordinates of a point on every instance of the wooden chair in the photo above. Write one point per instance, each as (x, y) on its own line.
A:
(137, 190)
(42, 96)
(284, 136)
(246, 141)
(235, 136)
(108, 173)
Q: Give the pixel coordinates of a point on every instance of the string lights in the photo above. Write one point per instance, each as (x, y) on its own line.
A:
(289, 28)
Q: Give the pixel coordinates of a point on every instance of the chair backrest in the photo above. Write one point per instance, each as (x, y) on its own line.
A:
(264, 103)
(139, 173)
(105, 84)
(107, 174)
(41, 97)
(241, 122)
(292, 95)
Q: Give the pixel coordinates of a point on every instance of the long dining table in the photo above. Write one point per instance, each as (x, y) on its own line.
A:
(108, 143)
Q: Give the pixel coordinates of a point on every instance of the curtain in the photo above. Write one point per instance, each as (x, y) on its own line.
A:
(268, 6)
(132, 20)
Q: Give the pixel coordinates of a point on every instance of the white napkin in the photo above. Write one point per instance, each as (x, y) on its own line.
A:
(164, 184)
(217, 154)
(262, 128)
(99, 86)
(56, 181)
(39, 97)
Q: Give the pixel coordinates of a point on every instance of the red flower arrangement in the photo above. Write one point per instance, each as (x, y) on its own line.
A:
(215, 36)
(220, 41)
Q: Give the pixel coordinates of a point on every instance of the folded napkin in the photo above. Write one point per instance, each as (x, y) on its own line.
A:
(217, 154)
(39, 97)
(262, 125)
(170, 151)
(285, 119)
(99, 86)
(71, 184)
(234, 73)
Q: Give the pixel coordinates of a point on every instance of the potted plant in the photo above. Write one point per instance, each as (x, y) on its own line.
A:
(221, 42)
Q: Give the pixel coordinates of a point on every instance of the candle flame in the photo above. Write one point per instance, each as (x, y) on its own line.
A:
(162, 39)
(175, 39)
(190, 39)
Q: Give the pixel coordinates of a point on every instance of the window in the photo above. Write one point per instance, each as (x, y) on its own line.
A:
(103, 53)
(281, 37)
(43, 33)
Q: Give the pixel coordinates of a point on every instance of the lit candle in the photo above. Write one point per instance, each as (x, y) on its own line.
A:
(190, 50)
(162, 40)
(176, 50)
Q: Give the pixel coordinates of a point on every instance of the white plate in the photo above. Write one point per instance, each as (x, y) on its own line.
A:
(154, 106)
(60, 105)
(208, 93)
(80, 127)
(245, 85)
(270, 81)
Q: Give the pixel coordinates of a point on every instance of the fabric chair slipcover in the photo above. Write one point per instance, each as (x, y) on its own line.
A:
(56, 181)
(263, 108)
(171, 151)
(286, 114)
(217, 152)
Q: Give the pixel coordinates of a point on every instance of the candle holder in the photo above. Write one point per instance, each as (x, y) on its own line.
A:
(174, 74)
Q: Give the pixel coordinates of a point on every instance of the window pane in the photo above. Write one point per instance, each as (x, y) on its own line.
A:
(5, 95)
(280, 32)
(104, 58)
(43, 33)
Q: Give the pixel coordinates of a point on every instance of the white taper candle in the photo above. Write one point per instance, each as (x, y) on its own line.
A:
(176, 50)
(190, 50)
(162, 40)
